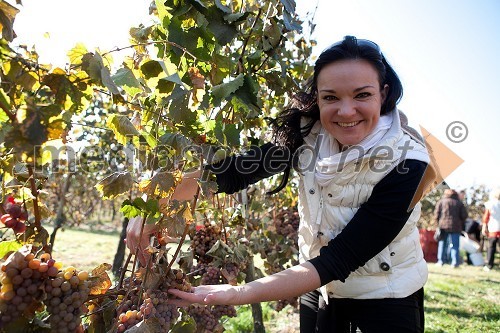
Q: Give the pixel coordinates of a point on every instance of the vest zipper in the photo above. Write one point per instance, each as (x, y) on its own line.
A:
(320, 212)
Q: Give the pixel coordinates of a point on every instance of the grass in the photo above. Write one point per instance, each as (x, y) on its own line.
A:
(83, 249)
(465, 300)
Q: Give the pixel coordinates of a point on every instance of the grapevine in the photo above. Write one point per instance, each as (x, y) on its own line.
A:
(203, 74)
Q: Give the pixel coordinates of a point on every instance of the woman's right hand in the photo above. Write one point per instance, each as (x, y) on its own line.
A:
(132, 239)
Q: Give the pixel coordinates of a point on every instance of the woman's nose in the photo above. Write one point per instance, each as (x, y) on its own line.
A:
(347, 109)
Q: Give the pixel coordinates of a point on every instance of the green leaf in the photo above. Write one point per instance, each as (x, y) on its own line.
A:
(223, 31)
(4, 105)
(115, 184)
(271, 37)
(129, 210)
(177, 141)
(220, 250)
(223, 90)
(126, 79)
(225, 9)
(9, 246)
(236, 17)
(150, 139)
(92, 65)
(151, 69)
(187, 325)
(122, 127)
(167, 84)
(107, 81)
(291, 23)
(221, 69)
(179, 107)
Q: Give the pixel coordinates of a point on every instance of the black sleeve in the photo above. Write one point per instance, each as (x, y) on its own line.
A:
(235, 173)
(376, 223)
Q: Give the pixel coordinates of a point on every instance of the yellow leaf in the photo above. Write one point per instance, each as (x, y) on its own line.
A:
(76, 53)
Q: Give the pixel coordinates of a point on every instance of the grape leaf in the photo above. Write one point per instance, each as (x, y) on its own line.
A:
(99, 280)
(115, 184)
(289, 6)
(220, 250)
(223, 90)
(187, 325)
(176, 215)
(160, 185)
(9, 246)
(151, 69)
(7, 15)
(76, 53)
(129, 209)
(126, 79)
(122, 127)
(291, 23)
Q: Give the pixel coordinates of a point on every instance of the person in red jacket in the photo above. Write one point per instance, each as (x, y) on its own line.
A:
(491, 227)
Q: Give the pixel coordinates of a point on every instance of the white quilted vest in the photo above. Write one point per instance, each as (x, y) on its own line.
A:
(396, 272)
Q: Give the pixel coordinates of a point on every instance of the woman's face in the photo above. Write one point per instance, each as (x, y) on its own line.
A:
(349, 99)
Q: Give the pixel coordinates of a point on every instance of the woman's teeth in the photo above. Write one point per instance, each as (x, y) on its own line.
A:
(351, 124)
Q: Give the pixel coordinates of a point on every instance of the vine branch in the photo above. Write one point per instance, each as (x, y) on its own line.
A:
(151, 43)
(34, 191)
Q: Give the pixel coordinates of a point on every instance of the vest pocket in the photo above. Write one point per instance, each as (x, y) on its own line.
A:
(380, 264)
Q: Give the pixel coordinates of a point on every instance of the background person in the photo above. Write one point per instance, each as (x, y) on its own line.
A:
(450, 213)
(491, 227)
(361, 261)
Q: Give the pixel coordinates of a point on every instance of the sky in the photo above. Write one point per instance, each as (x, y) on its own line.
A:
(444, 51)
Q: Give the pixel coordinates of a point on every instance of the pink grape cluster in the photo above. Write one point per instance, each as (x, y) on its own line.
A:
(15, 217)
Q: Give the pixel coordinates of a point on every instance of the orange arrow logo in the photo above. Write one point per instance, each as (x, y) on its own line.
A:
(443, 162)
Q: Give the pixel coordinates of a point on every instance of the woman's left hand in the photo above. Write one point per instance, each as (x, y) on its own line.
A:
(222, 294)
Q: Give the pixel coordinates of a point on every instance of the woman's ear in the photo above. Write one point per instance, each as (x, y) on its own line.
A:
(383, 92)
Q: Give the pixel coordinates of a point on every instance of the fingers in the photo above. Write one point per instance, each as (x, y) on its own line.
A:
(188, 298)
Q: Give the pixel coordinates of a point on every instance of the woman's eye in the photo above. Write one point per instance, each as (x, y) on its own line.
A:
(363, 95)
(329, 98)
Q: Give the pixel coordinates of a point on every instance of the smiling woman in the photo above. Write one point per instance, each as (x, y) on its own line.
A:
(54, 27)
(361, 263)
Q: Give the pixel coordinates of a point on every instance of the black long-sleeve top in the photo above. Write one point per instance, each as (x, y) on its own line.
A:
(376, 223)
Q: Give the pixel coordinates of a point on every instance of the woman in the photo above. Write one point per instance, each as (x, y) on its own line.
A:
(361, 262)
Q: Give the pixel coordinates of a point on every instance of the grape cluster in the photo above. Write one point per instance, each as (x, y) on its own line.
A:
(128, 319)
(220, 311)
(287, 222)
(281, 304)
(203, 240)
(176, 279)
(209, 273)
(15, 217)
(207, 317)
(23, 278)
(66, 295)
(127, 311)
(153, 302)
(155, 305)
(230, 272)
